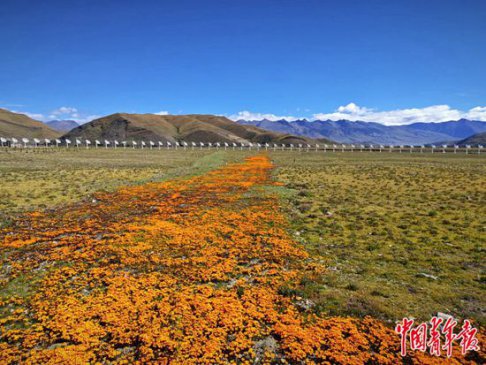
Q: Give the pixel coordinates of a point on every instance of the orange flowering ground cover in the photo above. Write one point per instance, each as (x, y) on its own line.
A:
(180, 272)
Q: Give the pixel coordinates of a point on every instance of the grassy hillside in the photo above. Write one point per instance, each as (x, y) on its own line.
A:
(20, 125)
(479, 138)
(190, 128)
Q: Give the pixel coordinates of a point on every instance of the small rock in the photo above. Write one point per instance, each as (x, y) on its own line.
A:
(428, 276)
(126, 350)
(444, 316)
(268, 344)
(56, 345)
(41, 266)
(231, 283)
(231, 337)
(305, 304)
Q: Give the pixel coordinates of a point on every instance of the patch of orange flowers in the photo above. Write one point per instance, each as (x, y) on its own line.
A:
(180, 272)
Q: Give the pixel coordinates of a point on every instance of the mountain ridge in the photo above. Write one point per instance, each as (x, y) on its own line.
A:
(62, 126)
(346, 131)
(171, 128)
(478, 138)
(212, 128)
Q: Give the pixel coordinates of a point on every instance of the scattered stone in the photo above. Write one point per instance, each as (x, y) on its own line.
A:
(41, 266)
(231, 283)
(428, 276)
(231, 337)
(444, 316)
(267, 345)
(127, 349)
(56, 345)
(305, 304)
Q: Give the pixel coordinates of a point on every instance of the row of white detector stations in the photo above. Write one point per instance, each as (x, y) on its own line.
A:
(65, 142)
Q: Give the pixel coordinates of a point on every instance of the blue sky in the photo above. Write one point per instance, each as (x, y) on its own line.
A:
(390, 61)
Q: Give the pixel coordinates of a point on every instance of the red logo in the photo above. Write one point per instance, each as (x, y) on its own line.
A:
(429, 335)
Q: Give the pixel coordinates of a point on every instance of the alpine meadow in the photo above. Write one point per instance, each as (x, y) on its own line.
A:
(209, 256)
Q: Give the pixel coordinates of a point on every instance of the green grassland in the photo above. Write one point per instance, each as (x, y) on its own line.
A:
(39, 179)
(400, 235)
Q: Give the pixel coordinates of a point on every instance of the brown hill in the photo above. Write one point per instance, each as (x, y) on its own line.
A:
(189, 128)
(20, 125)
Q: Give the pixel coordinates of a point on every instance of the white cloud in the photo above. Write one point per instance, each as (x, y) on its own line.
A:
(62, 113)
(71, 113)
(434, 114)
(162, 112)
(246, 115)
(352, 108)
(477, 113)
(36, 116)
(64, 110)
(354, 112)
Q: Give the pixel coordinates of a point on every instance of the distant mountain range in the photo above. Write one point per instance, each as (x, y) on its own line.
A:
(62, 125)
(211, 128)
(171, 128)
(346, 131)
(20, 125)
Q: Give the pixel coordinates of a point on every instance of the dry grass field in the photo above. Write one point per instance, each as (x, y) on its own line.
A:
(205, 257)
